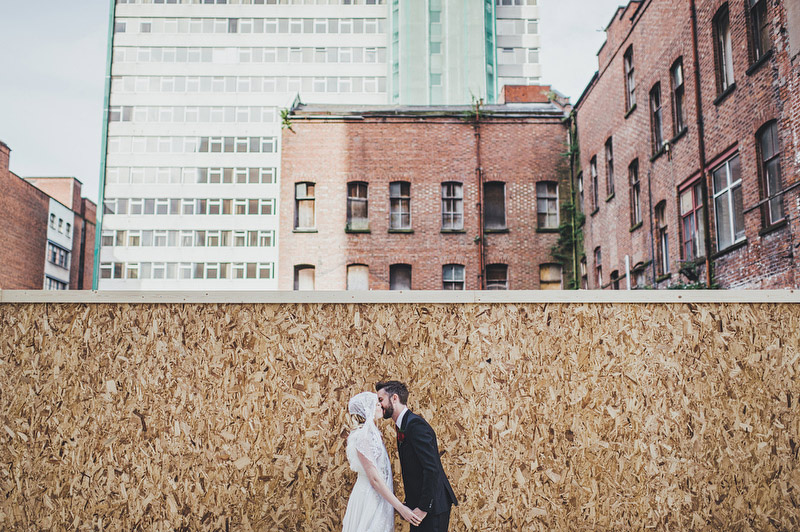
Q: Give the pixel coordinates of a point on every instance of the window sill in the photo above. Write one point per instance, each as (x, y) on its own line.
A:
(453, 231)
(547, 230)
(664, 277)
(402, 231)
(724, 94)
(302, 230)
(502, 230)
(610, 197)
(630, 111)
(679, 135)
(595, 211)
(732, 247)
(659, 153)
(635, 227)
(761, 60)
(356, 231)
(774, 227)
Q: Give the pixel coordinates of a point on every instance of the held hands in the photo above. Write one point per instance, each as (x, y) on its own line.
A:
(420, 514)
(412, 517)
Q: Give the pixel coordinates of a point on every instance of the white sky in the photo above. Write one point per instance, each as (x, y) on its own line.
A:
(52, 70)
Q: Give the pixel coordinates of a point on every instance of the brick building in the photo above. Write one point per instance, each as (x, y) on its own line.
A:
(689, 154)
(380, 198)
(48, 232)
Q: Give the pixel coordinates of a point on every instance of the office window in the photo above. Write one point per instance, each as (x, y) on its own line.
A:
(550, 277)
(357, 213)
(759, 28)
(358, 277)
(770, 169)
(303, 277)
(635, 193)
(728, 207)
(400, 205)
(54, 284)
(692, 223)
(57, 255)
(662, 239)
(656, 119)
(53, 216)
(598, 267)
(497, 277)
(630, 81)
(678, 111)
(304, 206)
(584, 274)
(547, 204)
(609, 167)
(494, 201)
(453, 277)
(595, 183)
(400, 277)
(452, 206)
(723, 49)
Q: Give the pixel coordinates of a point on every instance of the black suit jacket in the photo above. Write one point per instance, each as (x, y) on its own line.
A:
(426, 485)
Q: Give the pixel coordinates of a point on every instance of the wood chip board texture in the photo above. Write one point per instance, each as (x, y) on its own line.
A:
(549, 417)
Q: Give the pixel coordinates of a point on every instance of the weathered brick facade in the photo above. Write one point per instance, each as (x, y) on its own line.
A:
(762, 92)
(331, 147)
(25, 207)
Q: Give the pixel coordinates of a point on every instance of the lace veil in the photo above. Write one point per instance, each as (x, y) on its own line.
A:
(366, 438)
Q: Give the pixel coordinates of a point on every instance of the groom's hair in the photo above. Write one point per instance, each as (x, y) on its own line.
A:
(394, 387)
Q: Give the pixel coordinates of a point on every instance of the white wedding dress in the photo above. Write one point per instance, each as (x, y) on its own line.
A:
(367, 511)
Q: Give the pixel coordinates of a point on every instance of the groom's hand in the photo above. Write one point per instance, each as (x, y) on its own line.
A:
(420, 514)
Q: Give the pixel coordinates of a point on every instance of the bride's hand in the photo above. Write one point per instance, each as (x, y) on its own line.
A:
(406, 513)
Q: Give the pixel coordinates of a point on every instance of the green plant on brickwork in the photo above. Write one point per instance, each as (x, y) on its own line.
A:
(474, 113)
(570, 242)
(286, 120)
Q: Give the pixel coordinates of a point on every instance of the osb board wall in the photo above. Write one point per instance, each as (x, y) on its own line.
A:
(549, 417)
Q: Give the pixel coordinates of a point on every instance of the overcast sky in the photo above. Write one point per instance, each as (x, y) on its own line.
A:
(52, 70)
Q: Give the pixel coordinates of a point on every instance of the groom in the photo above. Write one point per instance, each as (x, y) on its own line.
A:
(427, 489)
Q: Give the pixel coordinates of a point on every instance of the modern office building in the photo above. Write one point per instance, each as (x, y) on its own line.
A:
(195, 94)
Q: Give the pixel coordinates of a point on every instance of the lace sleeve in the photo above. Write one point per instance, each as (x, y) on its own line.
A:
(367, 444)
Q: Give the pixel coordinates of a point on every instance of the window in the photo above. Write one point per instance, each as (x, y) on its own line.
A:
(598, 267)
(615, 280)
(638, 281)
(728, 208)
(304, 206)
(452, 206)
(723, 49)
(609, 167)
(547, 204)
(358, 277)
(595, 183)
(494, 200)
(584, 274)
(550, 277)
(678, 111)
(453, 277)
(759, 28)
(400, 277)
(497, 277)
(580, 191)
(692, 223)
(770, 167)
(357, 213)
(662, 239)
(630, 81)
(303, 277)
(656, 130)
(636, 207)
(53, 218)
(57, 255)
(54, 284)
(400, 205)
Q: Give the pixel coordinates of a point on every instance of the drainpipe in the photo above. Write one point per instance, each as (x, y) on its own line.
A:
(652, 236)
(479, 176)
(701, 144)
(573, 141)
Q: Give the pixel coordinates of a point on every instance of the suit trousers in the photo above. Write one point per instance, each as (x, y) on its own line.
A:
(434, 523)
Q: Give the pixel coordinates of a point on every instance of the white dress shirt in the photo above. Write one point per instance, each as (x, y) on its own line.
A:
(400, 417)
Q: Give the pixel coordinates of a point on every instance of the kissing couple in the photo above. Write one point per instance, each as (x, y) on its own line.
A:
(428, 492)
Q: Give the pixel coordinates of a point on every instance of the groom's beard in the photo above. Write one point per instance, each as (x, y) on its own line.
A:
(388, 412)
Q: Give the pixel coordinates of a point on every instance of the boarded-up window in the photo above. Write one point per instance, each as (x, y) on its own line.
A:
(304, 277)
(400, 277)
(357, 213)
(497, 277)
(304, 206)
(550, 277)
(358, 277)
(494, 201)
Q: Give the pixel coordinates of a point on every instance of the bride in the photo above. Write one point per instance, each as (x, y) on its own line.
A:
(371, 501)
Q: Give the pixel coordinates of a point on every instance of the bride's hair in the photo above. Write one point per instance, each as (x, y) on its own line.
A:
(394, 387)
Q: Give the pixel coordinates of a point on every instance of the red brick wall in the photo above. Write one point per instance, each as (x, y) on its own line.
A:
(425, 152)
(662, 33)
